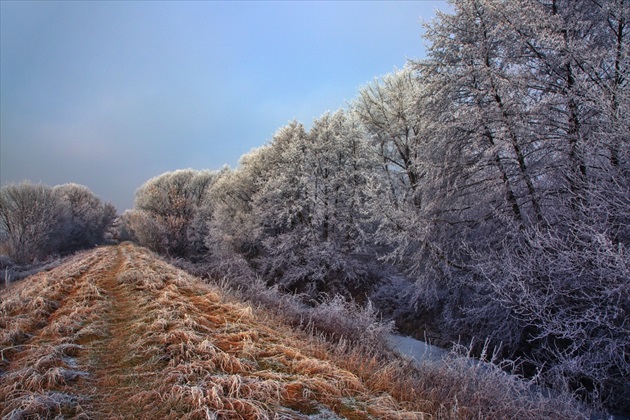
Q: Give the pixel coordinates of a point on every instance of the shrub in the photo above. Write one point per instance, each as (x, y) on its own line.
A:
(32, 221)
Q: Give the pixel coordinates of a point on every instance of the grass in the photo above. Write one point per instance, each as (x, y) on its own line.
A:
(41, 319)
(118, 333)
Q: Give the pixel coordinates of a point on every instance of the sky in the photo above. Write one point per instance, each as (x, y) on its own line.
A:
(110, 94)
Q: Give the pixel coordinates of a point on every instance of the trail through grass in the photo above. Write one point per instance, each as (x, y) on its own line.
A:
(116, 333)
(116, 373)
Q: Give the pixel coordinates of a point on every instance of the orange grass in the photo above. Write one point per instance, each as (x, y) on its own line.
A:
(118, 333)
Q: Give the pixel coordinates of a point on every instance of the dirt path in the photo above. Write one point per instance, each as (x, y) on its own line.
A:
(116, 374)
(119, 334)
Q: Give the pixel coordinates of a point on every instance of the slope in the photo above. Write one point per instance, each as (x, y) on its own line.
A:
(117, 333)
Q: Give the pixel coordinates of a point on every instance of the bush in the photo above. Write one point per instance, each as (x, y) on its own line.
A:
(171, 213)
(89, 219)
(32, 221)
(37, 220)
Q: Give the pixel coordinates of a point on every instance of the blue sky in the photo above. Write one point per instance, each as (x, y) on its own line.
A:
(110, 94)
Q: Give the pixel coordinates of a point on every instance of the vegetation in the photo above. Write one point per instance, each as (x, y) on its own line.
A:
(116, 332)
(170, 213)
(481, 195)
(37, 221)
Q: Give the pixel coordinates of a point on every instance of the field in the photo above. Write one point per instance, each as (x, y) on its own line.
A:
(117, 333)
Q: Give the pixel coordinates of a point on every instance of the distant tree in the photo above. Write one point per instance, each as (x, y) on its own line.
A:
(138, 226)
(166, 216)
(32, 221)
(89, 219)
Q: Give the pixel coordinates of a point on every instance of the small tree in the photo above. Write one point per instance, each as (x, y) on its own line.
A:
(88, 217)
(169, 212)
(32, 221)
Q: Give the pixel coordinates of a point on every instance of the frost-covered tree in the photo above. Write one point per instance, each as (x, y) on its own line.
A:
(533, 184)
(474, 72)
(89, 219)
(311, 206)
(167, 216)
(391, 111)
(574, 58)
(568, 286)
(139, 226)
(283, 210)
(32, 220)
(37, 220)
(231, 239)
(403, 186)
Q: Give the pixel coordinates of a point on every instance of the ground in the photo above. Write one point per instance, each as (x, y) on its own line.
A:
(117, 333)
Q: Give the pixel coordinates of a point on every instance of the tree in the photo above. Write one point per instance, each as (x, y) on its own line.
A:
(574, 62)
(402, 189)
(535, 178)
(89, 219)
(570, 290)
(298, 203)
(167, 212)
(231, 239)
(37, 220)
(32, 220)
(391, 111)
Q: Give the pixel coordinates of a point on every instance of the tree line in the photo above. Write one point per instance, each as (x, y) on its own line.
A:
(37, 221)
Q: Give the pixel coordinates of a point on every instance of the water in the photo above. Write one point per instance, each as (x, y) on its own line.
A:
(416, 349)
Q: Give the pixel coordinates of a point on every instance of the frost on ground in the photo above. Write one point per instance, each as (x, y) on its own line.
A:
(118, 333)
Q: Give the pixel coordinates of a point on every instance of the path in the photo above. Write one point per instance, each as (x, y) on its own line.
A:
(115, 372)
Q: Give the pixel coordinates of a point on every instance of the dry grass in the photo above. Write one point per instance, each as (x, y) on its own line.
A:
(42, 319)
(117, 333)
(216, 357)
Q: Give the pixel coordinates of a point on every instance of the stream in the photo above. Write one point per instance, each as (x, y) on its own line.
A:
(421, 352)
(415, 349)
